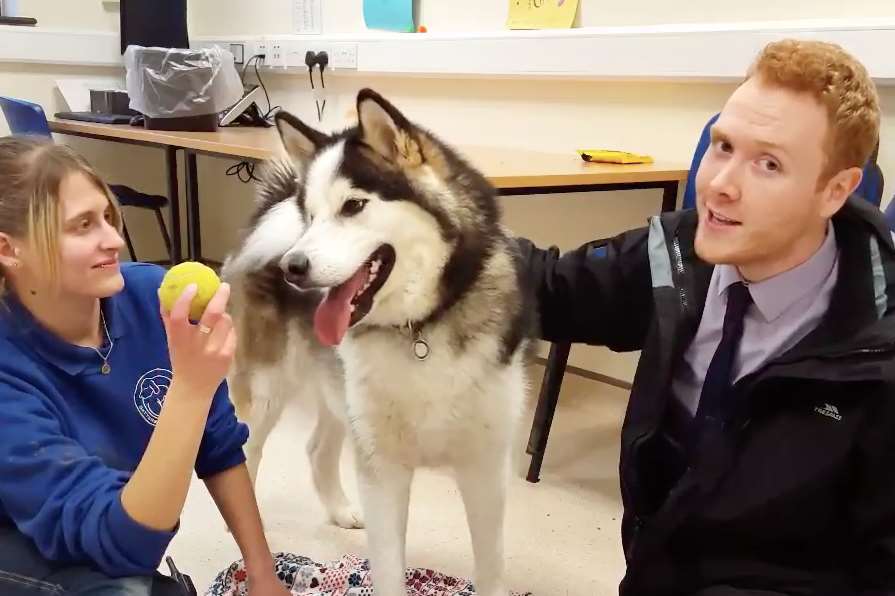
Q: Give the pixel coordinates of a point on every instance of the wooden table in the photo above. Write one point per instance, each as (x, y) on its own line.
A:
(511, 171)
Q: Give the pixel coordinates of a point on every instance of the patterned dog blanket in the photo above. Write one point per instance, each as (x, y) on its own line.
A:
(349, 576)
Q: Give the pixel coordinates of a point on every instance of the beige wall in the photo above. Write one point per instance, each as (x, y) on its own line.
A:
(552, 116)
(662, 119)
(86, 15)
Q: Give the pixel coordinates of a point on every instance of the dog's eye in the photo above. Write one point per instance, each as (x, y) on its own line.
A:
(353, 207)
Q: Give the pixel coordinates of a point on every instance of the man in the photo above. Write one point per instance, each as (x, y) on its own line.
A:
(758, 449)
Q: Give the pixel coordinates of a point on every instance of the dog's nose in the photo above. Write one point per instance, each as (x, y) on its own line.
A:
(296, 267)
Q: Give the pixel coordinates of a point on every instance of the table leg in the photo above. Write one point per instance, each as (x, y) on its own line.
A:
(194, 237)
(669, 196)
(174, 205)
(547, 402)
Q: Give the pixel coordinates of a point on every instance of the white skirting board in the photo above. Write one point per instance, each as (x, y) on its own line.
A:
(687, 52)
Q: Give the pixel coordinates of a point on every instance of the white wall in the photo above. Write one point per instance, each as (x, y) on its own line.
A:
(663, 119)
(214, 17)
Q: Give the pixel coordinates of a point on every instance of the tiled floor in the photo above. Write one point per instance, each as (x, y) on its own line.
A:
(562, 534)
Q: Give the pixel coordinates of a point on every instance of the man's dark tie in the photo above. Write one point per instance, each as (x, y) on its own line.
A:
(718, 377)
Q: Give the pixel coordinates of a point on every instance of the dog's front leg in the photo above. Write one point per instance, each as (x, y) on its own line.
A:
(483, 486)
(385, 494)
(325, 453)
(259, 403)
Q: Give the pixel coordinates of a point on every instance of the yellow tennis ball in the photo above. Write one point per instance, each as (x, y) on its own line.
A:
(179, 277)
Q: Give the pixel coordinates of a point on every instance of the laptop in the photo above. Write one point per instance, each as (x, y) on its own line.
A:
(95, 117)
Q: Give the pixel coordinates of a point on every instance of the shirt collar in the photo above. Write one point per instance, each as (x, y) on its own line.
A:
(773, 296)
(68, 357)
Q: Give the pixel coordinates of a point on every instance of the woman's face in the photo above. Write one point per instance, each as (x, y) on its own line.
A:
(89, 243)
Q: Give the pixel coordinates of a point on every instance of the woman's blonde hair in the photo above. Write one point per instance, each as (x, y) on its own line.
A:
(840, 83)
(31, 172)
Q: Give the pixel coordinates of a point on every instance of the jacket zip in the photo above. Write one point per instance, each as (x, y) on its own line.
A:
(679, 265)
(635, 443)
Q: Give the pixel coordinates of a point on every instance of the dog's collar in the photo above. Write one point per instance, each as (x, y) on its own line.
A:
(419, 346)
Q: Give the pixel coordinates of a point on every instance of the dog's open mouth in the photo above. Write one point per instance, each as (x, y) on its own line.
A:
(350, 302)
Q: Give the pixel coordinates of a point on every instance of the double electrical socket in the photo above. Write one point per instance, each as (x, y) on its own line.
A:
(343, 55)
(260, 48)
(290, 53)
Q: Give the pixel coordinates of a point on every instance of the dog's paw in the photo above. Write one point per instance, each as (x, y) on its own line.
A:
(347, 517)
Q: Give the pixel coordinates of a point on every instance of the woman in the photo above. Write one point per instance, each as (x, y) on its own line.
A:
(106, 408)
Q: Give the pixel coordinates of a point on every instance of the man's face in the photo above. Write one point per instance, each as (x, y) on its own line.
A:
(760, 204)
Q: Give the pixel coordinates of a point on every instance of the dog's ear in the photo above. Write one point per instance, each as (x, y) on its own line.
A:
(299, 139)
(384, 129)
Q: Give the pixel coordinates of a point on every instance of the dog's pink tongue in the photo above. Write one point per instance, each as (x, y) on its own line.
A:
(334, 314)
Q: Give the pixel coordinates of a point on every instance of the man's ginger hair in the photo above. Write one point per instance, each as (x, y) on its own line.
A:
(840, 83)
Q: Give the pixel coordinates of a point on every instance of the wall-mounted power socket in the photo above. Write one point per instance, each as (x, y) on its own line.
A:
(343, 55)
(261, 47)
(277, 54)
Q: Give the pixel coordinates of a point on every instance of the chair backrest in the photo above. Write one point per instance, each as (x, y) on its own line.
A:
(701, 147)
(24, 117)
(890, 214)
(871, 187)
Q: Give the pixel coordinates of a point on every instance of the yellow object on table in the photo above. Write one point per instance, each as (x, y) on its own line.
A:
(613, 156)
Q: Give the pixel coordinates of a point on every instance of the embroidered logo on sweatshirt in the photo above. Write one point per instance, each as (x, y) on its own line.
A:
(149, 395)
(830, 411)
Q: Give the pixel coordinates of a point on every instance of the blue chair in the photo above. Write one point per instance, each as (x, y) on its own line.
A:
(702, 146)
(871, 187)
(26, 118)
(889, 214)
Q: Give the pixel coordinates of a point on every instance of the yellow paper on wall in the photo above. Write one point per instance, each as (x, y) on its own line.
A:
(542, 14)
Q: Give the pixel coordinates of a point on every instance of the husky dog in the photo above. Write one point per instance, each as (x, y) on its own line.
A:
(403, 309)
